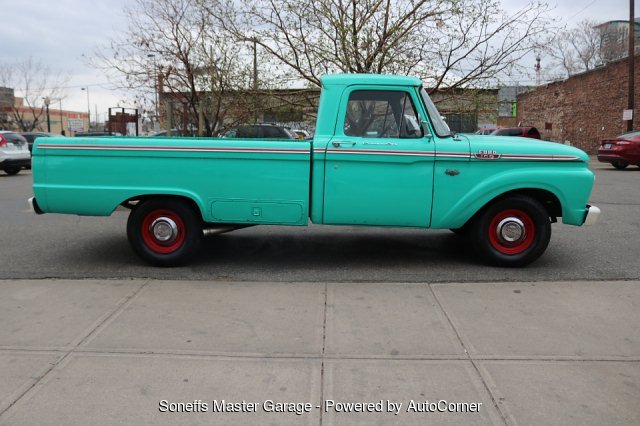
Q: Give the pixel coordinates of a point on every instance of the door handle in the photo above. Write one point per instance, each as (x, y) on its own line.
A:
(339, 144)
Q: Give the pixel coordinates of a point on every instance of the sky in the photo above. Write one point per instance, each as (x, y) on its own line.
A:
(63, 33)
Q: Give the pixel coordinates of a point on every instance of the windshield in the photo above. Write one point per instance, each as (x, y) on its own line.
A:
(439, 125)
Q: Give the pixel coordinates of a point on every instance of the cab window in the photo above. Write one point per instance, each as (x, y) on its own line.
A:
(381, 114)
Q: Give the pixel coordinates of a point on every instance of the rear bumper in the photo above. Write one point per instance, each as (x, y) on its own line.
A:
(591, 215)
(611, 157)
(34, 206)
(16, 162)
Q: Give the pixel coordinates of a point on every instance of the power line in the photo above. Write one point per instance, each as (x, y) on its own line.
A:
(584, 8)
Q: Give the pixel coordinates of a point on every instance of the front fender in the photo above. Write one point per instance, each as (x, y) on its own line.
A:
(454, 205)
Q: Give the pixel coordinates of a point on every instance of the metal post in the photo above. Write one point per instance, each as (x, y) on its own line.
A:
(632, 65)
(155, 81)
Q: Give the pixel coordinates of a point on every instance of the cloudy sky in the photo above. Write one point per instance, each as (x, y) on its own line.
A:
(63, 33)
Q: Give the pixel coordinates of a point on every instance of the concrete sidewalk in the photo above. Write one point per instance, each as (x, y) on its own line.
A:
(106, 352)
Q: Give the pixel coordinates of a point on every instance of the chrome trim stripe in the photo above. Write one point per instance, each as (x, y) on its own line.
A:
(381, 152)
(539, 157)
(173, 149)
(525, 157)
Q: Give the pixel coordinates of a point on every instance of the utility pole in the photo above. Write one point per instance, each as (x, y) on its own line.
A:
(538, 69)
(88, 108)
(255, 80)
(632, 64)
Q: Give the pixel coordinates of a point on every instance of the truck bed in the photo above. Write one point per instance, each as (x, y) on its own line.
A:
(261, 181)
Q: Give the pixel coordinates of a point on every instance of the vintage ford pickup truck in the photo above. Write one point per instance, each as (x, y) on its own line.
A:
(381, 156)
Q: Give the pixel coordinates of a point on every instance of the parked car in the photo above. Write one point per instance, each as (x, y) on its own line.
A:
(100, 134)
(31, 136)
(523, 131)
(485, 130)
(301, 134)
(621, 151)
(165, 133)
(260, 131)
(14, 152)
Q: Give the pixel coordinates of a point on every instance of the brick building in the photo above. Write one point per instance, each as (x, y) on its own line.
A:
(14, 112)
(583, 109)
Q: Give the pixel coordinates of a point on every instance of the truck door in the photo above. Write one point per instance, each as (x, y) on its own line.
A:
(379, 166)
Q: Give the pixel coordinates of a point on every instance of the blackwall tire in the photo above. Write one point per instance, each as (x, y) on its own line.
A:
(12, 170)
(164, 232)
(512, 232)
(619, 165)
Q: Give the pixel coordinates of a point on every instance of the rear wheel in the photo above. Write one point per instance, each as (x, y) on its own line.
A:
(164, 232)
(513, 231)
(619, 165)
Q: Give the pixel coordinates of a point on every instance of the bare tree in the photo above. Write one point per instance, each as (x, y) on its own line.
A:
(449, 43)
(575, 50)
(173, 47)
(33, 81)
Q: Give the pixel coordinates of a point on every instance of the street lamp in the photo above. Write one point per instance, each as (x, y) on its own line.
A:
(47, 101)
(88, 108)
(155, 80)
(61, 119)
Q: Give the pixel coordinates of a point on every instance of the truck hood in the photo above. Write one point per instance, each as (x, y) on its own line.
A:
(512, 147)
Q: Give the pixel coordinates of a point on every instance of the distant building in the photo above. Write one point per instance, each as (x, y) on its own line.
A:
(7, 99)
(614, 39)
(13, 112)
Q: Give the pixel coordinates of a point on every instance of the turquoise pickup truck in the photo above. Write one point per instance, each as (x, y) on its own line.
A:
(381, 156)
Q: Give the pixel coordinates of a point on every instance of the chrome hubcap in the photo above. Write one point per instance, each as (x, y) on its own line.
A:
(510, 230)
(164, 230)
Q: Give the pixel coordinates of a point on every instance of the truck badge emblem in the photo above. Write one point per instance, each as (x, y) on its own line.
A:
(485, 154)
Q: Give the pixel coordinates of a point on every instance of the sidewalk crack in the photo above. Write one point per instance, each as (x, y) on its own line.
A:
(324, 340)
(469, 357)
(60, 361)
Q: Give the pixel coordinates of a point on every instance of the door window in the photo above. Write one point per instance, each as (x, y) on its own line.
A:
(381, 114)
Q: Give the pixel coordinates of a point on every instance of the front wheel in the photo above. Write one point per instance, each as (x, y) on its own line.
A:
(513, 231)
(164, 232)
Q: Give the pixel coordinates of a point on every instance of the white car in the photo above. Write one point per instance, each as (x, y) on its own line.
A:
(14, 152)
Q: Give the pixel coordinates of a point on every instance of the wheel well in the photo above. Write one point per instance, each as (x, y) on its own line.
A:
(547, 199)
(134, 201)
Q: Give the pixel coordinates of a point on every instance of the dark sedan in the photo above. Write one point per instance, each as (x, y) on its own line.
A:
(621, 151)
(31, 136)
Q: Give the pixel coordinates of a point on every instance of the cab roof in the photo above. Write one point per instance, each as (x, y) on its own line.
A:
(381, 79)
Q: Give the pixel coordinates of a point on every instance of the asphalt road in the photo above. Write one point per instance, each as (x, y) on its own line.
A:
(64, 246)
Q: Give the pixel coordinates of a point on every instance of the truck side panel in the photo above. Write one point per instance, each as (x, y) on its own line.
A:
(231, 180)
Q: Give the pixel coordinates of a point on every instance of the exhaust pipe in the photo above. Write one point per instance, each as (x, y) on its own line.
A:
(214, 230)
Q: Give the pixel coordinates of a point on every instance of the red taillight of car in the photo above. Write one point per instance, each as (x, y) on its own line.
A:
(3, 141)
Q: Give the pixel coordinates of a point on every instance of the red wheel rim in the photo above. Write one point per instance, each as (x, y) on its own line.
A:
(511, 231)
(163, 231)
